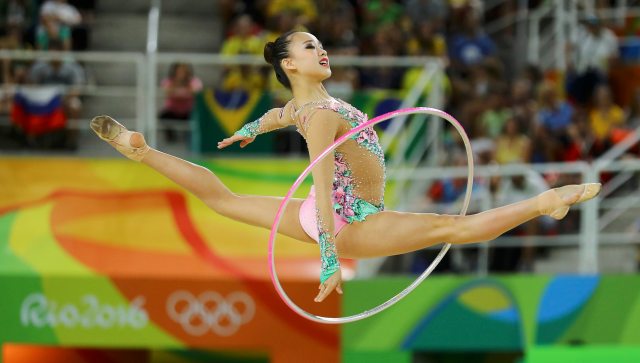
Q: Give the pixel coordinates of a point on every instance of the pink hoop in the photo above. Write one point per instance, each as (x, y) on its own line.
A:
(296, 185)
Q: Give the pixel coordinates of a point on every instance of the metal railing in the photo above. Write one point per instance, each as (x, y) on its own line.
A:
(137, 91)
(562, 17)
(144, 88)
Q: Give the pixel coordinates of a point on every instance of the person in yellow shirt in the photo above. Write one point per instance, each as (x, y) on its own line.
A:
(426, 41)
(512, 146)
(306, 9)
(243, 41)
(605, 115)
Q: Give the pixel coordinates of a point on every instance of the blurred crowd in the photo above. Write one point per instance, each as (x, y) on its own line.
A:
(48, 25)
(514, 116)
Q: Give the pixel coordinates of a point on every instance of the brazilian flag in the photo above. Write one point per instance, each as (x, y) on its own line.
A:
(217, 114)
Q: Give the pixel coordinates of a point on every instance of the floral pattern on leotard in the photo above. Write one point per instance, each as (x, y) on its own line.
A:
(367, 138)
(346, 204)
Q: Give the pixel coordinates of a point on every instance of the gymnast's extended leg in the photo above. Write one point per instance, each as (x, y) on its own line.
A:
(391, 233)
(201, 182)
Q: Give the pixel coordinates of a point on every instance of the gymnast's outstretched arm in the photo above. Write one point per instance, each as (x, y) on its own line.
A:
(273, 119)
(320, 130)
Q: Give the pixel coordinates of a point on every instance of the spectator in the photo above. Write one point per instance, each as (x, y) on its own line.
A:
(61, 72)
(179, 89)
(449, 191)
(426, 41)
(512, 146)
(523, 104)
(554, 115)
(534, 75)
(15, 18)
(470, 46)
(591, 53)
(305, 11)
(552, 135)
(379, 13)
(433, 12)
(243, 41)
(495, 115)
(56, 19)
(604, 117)
(632, 122)
(385, 43)
(483, 147)
(231, 9)
(281, 23)
(12, 70)
(337, 28)
(40, 113)
(470, 93)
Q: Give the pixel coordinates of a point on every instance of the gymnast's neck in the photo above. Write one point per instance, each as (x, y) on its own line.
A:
(305, 92)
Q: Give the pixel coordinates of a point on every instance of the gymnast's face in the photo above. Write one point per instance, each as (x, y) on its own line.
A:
(307, 58)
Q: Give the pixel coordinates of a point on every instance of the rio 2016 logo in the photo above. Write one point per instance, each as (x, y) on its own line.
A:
(39, 311)
(210, 311)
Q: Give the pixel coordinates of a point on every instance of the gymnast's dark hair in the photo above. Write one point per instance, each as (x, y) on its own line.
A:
(275, 52)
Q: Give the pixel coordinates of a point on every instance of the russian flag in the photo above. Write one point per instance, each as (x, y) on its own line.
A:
(38, 110)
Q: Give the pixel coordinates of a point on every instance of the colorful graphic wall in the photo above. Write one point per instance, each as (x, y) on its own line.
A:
(108, 253)
(510, 313)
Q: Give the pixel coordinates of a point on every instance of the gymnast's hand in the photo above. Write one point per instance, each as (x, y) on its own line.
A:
(333, 282)
(244, 141)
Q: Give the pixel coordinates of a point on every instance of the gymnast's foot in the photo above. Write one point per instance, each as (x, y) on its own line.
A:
(129, 143)
(556, 202)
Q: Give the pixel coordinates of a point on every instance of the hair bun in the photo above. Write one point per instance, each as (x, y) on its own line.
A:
(268, 52)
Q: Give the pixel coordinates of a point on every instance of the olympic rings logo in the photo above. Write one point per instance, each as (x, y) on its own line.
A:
(210, 312)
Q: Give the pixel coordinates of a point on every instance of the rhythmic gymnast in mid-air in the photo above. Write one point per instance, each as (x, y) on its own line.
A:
(344, 212)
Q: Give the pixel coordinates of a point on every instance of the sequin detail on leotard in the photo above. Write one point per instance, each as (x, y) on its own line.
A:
(329, 262)
(268, 122)
(252, 129)
(366, 138)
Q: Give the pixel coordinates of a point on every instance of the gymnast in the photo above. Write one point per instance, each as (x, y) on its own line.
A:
(344, 212)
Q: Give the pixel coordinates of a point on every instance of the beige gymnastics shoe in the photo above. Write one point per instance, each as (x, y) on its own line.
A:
(119, 137)
(556, 202)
